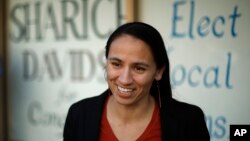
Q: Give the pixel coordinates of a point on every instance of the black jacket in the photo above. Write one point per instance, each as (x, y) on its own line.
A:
(179, 121)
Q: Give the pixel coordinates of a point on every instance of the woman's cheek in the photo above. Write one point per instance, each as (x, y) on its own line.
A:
(112, 74)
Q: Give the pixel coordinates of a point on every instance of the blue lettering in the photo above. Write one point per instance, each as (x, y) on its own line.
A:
(191, 76)
(220, 124)
(177, 18)
(210, 77)
(228, 71)
(203, 25)
(209, 122)
(214, 71)
(233, 17)
(191, 21)
(216, 126)
(178, 71)
(222, 21)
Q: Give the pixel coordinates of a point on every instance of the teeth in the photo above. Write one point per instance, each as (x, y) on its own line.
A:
(124, 89)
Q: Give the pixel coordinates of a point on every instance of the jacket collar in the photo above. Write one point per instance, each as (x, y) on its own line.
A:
(94, 117)
(169, 125)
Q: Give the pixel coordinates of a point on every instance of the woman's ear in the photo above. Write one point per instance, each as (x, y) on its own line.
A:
(159, 73)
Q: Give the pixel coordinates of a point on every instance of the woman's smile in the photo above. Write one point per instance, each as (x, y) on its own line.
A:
(124, 90)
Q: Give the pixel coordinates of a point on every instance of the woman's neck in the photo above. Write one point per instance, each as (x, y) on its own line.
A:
(126, 114)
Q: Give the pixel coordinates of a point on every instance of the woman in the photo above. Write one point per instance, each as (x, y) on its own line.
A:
(138, 104)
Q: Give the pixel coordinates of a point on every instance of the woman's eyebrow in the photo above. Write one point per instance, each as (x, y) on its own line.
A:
(141, 64)
(115, 59)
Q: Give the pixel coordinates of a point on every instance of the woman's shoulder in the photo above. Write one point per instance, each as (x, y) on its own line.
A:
(185, 110)
(89, 103)
(188, 116)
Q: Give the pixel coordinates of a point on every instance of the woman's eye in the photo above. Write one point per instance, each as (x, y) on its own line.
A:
(139, 69)
(115, 64)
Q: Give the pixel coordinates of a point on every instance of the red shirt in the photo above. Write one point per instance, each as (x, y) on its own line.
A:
(151, 133)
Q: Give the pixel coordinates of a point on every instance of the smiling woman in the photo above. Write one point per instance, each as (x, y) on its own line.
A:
(131, 70)
(138, 103)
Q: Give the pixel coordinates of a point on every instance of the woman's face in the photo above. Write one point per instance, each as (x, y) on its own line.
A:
(131, 69)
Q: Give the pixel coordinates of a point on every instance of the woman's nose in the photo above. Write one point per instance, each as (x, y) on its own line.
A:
(125, 78)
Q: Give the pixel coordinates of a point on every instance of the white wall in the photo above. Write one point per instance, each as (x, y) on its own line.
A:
(208, 45)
